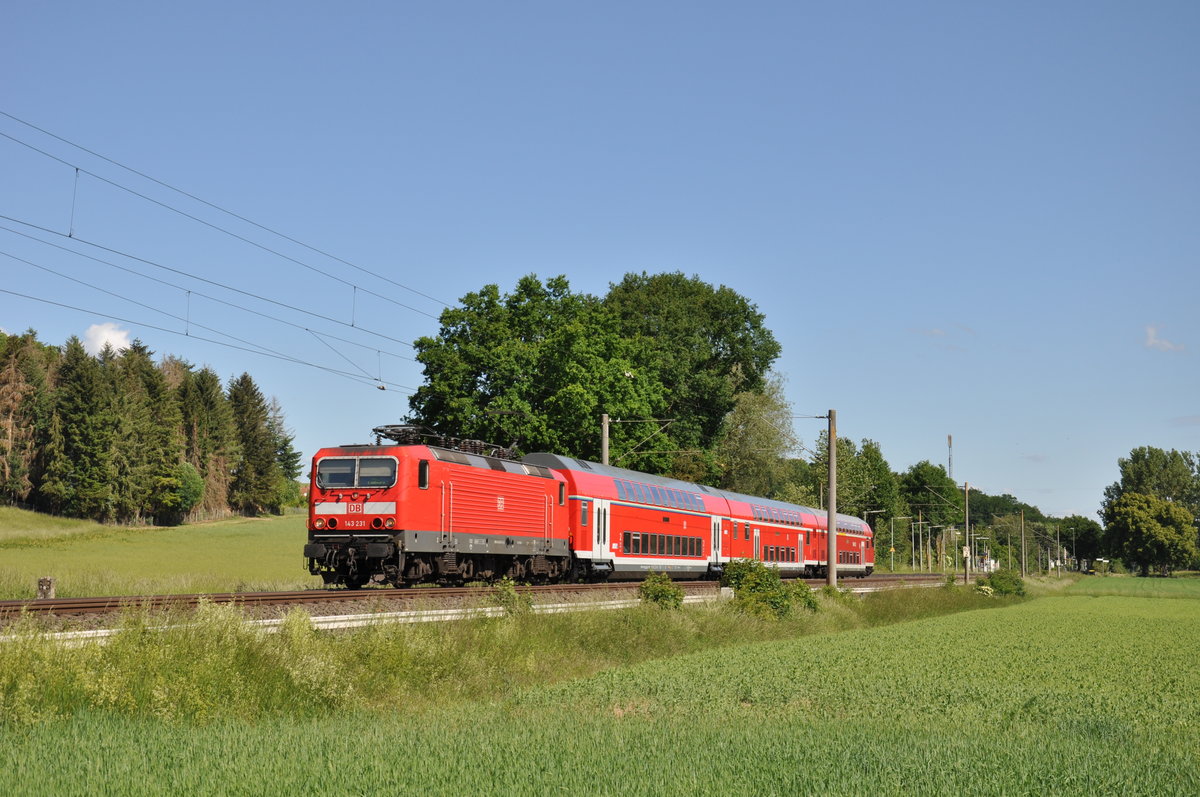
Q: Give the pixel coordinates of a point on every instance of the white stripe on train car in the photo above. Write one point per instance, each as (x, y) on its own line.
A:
(342, 508)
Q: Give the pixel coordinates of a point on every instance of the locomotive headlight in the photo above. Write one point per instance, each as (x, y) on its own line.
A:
(390, 523)
(319, 523)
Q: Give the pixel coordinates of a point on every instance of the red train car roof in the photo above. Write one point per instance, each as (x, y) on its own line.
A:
(593, 474)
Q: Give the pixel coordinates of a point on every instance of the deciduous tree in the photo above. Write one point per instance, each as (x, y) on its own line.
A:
(1151, 532)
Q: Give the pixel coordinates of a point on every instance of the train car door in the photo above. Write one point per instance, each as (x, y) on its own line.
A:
(757, 549)
(716, 540)
(600, 536)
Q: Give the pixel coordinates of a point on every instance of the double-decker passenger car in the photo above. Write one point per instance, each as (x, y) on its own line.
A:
(452, 511)
(628, 523)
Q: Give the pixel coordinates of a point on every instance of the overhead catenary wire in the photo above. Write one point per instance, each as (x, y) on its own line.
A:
(216, 227)
(205, 280)
(226, 211)
(190, 292)
(186, 319)
(355, 377)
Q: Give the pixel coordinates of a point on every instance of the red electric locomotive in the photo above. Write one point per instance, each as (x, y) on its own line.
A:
(413, 512)
(454, 511)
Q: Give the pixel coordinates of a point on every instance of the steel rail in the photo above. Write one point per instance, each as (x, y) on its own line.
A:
(113, 603)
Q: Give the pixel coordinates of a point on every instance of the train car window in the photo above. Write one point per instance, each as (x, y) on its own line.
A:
(562, 493)
(626, 545)
(336, 472)
(620, 489)
(423, 474)
(746, 530)
(584, 506)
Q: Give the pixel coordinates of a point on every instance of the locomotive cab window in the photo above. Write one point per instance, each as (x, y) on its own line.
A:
(336, 472)
(376, 472)
(347, 472)
(423, 474)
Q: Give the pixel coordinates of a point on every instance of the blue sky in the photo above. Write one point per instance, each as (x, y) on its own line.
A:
(958, 218)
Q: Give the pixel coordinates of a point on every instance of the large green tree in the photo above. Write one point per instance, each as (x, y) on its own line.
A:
(665, 355)
(535, 368)
(756, 441)
(1150, 532)
(1171, 475)
(704, 345)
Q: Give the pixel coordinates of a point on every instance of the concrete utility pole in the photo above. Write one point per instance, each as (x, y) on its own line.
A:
(967, 517)
(1058, 551)
(831, 542)
(604, 439)
(1022, 543)
(893, 545)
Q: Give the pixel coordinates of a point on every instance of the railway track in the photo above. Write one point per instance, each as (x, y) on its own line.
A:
(65, 607)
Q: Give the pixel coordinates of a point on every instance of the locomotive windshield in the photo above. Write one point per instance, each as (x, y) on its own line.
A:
(356, 472)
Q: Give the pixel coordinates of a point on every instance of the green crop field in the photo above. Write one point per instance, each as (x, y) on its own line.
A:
(85, 558)
(1059, 695)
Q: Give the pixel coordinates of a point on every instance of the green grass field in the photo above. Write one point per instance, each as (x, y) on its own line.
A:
(1059, 695)
(1186, 585)
(85, 558)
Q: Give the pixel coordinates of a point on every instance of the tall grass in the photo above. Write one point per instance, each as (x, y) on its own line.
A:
(1016, 701)
(212, 664)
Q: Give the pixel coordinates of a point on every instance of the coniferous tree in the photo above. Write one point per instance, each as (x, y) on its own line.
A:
(287, 458)
(255, 474)
(25, 409)
(131, 431)
(210, 438)
(80, 478)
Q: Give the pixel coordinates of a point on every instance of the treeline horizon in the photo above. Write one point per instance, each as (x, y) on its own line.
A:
(119, 438)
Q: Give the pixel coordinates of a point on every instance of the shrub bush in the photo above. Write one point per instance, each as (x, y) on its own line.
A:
(660, 590)
(1003, 582)
(505, 595)
(758, 590)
